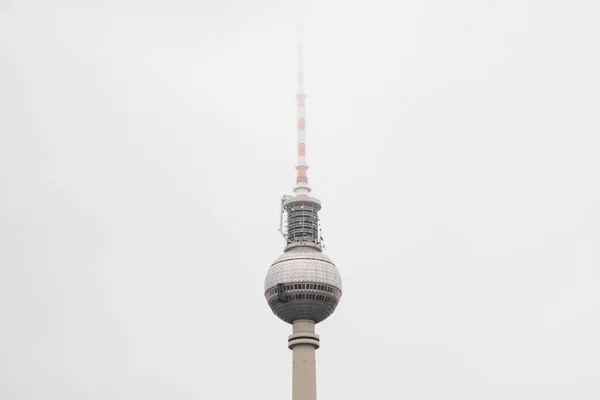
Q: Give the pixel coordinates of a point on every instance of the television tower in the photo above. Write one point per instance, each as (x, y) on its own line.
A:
(303, 286)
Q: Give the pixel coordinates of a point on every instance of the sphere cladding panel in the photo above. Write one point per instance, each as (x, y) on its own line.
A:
(303, 265)
(316, 279)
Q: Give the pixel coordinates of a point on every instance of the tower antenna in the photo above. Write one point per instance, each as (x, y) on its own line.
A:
(302, 188)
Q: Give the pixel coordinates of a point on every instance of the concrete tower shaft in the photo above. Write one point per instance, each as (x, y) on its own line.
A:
(303, 342)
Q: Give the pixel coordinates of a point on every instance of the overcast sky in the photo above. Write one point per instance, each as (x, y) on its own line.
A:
(144, 147)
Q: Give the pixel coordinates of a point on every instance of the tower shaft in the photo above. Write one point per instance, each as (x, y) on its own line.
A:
(304, 343)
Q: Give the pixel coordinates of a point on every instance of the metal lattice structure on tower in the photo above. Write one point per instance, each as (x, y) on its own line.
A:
(303, 286)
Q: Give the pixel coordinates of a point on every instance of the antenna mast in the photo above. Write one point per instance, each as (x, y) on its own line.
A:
(302, 188)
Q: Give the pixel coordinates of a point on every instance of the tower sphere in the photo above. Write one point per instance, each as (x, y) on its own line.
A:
(303, 283)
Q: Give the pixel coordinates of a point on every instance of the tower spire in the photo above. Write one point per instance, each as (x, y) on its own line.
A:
(302, 188)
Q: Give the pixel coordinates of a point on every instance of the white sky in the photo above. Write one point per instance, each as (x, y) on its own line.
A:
(144, 146)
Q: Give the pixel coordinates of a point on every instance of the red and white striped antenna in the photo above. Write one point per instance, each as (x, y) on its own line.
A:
(302, 188)
(302, 226)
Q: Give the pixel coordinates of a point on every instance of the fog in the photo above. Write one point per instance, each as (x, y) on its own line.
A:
(144, 147)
